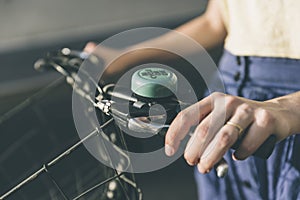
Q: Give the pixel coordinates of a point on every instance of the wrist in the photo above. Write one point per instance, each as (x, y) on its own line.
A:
(288, 107)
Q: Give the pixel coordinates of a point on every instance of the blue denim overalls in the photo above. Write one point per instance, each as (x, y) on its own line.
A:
(258, 78)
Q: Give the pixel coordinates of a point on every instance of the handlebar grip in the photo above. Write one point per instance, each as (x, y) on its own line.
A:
(265, 150)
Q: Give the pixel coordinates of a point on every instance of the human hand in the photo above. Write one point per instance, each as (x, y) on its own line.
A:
(110, 57)
(212, 139)
(105, 53)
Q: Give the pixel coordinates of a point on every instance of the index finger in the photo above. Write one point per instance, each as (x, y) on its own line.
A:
(183, 122)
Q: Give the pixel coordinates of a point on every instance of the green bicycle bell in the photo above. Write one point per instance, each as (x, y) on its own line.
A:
(156, 88)
(154, 83)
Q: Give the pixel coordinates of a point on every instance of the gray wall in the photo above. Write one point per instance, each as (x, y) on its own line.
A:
(30, 28)
(35, 22)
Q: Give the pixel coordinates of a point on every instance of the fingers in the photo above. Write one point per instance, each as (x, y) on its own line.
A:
(183, 122)
(212, 138)
(258, 132)
(242, 118)
(224, 139)
(214, 105)
(216, 149)
(90, 47)
(203, 135)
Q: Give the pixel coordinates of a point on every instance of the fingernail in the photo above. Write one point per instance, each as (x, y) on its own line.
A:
(169, 150)
(234, 158)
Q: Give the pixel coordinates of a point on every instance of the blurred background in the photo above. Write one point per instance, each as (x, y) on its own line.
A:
(35, 135)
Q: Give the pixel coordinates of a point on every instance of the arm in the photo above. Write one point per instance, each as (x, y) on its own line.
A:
(212, 139)
(207, 29)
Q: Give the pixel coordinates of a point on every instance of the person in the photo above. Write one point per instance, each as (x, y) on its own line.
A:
(260, 67)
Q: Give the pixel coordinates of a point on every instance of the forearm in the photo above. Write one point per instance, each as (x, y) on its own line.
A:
(200, 29)
(207, 30)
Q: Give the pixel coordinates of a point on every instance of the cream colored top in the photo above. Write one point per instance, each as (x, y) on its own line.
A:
(262, 27)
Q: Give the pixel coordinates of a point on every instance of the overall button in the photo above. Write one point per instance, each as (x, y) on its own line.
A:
(237, 76)
(246, 184)
(238, 60)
